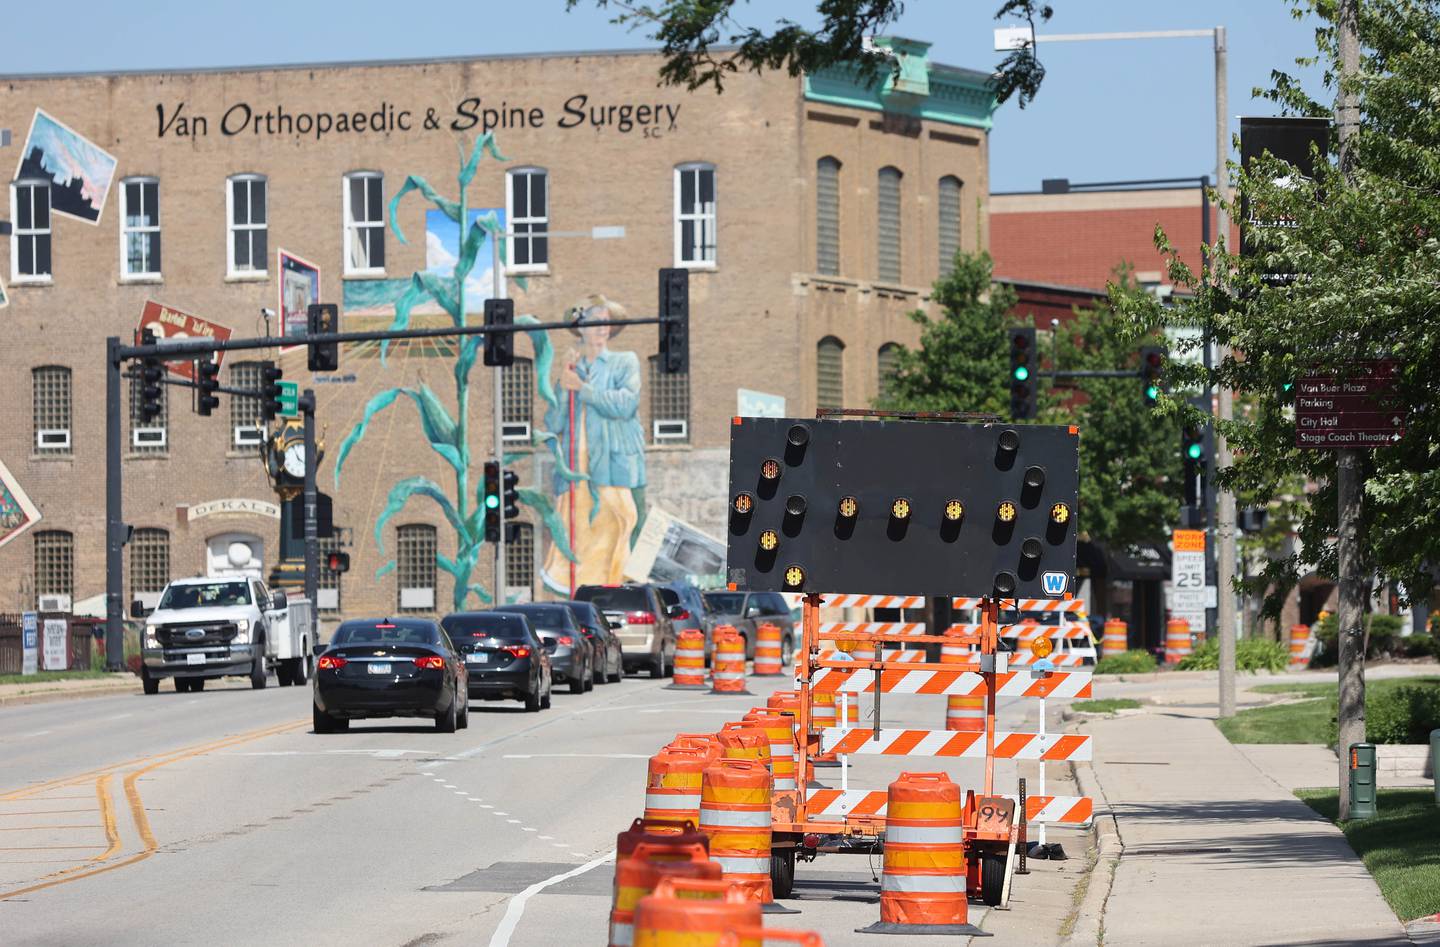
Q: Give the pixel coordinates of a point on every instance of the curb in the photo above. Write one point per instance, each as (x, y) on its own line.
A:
(50, 696)
(1090, 914)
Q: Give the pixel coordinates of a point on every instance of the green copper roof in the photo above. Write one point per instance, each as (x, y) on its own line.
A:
(920, 88)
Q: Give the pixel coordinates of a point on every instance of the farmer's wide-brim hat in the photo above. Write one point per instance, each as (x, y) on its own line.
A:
(587, 310)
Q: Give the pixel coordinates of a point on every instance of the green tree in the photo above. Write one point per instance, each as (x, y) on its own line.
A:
(704, 43)
(1365, 252)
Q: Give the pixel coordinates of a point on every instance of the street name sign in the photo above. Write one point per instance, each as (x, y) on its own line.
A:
(289, 399)
(1356, 411)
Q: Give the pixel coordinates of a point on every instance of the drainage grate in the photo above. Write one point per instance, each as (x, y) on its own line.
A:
(1140, 852)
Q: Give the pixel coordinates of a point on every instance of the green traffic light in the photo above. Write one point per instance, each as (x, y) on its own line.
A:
(1152, 393)
(1194, 450)
(1021, 373)
(492, 501)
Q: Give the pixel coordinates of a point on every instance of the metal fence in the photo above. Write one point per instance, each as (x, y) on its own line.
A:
(80, 639)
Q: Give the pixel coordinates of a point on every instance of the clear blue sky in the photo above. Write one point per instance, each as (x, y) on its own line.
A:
(1107, 111)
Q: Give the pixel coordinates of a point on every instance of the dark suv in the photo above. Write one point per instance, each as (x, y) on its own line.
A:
(643, 616)
(745, 611)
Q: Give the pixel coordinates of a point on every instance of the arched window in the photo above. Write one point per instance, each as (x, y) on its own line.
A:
(887, 235)
(527, 209)
(885, 360)
(50, 386)
(54, 567)
(827, 216)
(830, 373)
(149, 563)
(695, 215)
(415, 548)
(948, 204)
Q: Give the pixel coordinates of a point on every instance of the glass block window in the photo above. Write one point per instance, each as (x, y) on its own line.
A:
(887, 235)
(148, 437)
(669, 405)
(520, 556)
(830, 373)
(517, 400)
(827, 216)
(149, 561)
(329, 598)
(54, 564)
(950, 191)
(246, 425)
(415, 547)
(50, 386)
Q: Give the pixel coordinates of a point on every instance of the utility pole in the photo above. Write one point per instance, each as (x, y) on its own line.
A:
(1224, 537)
(498, 280)
(1349, 479)
(310, 501)
(115, 532)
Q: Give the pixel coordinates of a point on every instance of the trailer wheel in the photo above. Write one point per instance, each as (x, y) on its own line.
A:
(992, 877)
(782, 872)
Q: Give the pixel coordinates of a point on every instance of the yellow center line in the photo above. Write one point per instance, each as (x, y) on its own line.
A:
(107, 816)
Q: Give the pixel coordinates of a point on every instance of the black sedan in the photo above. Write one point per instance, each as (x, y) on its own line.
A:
(609, 657)
(559, 632)
(390, 667)
(504, 656)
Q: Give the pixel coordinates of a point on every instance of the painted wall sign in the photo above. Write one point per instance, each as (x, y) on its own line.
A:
(235, 506)
(79, 171)
(299, 287)
(17, 513)
(168, 322)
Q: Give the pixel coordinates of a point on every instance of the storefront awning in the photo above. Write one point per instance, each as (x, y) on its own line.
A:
(1138, 563)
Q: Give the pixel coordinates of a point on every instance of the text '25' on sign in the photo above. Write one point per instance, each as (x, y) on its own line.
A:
(1358, 410)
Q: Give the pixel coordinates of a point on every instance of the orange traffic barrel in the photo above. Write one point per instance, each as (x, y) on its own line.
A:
(1116, 639)
(760, 935)
(742, 740)
(1177, 640)
(779, 727)
(707, 742)
(692, 912)
(924, 870)
(962, 711)
(735, 813)
(727, 663)
(1299, 647)
(689, 660)
(639, 870)
(768, 659)
(672, 785)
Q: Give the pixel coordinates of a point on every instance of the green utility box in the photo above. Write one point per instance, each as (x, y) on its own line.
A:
(1362, 781)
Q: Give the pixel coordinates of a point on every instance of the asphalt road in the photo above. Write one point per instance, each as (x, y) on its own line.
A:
(219, 818)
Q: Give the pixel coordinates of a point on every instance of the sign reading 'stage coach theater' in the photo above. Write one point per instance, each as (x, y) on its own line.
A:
(650, 119)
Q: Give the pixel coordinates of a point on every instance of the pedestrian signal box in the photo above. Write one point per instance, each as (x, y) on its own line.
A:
(902, 507)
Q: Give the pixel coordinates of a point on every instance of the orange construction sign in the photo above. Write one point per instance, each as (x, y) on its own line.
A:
(1188, 540)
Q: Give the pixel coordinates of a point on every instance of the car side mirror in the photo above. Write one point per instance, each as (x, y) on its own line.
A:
(752, 611)
(550, 644)
(318, 649)
(675, 611)
(138, 609)
(279, 601)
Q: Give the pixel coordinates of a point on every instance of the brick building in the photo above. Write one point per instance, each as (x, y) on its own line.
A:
(812, 213)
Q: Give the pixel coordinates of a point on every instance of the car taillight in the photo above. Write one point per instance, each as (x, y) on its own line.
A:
(684, 613)
(640, 618)
(519, 650)
(431, 662)
(565, 640)
(330, 662)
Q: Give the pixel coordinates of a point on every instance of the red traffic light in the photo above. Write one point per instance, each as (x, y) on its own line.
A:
(338, 562)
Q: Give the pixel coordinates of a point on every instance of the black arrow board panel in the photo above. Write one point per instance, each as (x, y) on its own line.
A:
(823, 496)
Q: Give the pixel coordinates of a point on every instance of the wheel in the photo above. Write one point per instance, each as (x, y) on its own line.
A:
(545, 701)
(323, 722)
(577, 683)
(446, 721)
(300, 671)
(782, 872)
(462, 722)
(992, 877)
(533, 703)
(150, 684)
(590, 680)
(657, 668)
(182, 685)
(614, 678)
(787, 651)
(197, 684)
(282, 674)
(669, 669)
(257, 675)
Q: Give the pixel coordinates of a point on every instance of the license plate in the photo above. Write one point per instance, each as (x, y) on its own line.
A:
(194, 659)
(377, 668)
(477, 658)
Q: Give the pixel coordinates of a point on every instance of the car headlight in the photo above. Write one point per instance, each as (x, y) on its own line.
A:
(242, 631)
(150, 640)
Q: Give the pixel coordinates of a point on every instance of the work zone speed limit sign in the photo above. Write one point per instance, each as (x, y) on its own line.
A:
(1187, 571)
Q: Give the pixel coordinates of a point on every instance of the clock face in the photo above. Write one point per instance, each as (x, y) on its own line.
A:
(295, 460)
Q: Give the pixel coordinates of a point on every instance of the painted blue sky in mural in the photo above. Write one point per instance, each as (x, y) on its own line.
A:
(442, 249)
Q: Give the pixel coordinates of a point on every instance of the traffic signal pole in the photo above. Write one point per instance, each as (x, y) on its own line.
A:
(499, 420)
(114, 511)
(310, 500)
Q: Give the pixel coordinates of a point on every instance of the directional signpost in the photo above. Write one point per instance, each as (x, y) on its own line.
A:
(1357, 411)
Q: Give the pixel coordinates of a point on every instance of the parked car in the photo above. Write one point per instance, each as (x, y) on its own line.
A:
(560, 635)
(505, 657)
(643, 619)
(696, 615)
(747, 610)
(609, 656)
(390, 667)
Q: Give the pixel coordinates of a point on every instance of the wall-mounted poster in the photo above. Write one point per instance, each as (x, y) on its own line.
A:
(4, 298)
(79, 171)
(170, 323)
(299, 287)
(17, 513)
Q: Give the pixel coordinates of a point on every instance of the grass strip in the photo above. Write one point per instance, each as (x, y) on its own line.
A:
(45, 677)
(1106, 706)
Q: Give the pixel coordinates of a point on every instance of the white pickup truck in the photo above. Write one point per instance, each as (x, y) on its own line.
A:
(225, 626)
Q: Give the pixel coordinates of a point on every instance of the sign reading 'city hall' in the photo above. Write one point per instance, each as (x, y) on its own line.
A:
(651, 119)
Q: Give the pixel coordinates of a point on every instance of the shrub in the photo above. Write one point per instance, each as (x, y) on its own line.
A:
(1131, 662)
(1384, 636)
(1420, 646)
(1404, 714)
(1251, 654)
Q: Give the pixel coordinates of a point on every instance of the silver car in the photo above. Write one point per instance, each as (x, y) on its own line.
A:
(643, 617)
(746, 611)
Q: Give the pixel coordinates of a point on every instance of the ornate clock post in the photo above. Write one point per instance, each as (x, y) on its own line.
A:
(285, 466)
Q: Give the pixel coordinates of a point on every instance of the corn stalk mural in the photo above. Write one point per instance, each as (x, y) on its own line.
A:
(448, 434)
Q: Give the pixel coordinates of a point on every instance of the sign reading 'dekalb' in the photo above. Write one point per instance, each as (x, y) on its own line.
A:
(1359, 410)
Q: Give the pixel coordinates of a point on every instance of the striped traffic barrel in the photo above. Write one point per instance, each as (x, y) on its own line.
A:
(788, 702)
(727, 663)
(737, 936)
(1299, 647)
(1177, 640)
(1116, 639)
(962, 711)
(640, 869)
(691, 912)
(672, 785)
(689, 659)
(924, 873)
(779, 728)
(741, 740)
(767, 650)
(735, 813)
(708, 742)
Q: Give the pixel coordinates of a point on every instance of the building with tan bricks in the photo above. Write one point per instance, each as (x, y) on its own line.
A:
(812, 215)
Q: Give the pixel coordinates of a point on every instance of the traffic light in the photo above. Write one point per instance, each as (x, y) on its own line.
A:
(500, 346)
(207, 382)
(492, 501)
(674, 320)
(509, 496)
(151, 374)
(270, 375)
(338, 561)
(1152, 361)
(1022, 372)
(323, 319)
(1192, 458)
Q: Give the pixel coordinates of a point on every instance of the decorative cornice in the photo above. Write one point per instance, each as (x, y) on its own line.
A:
(919, 88)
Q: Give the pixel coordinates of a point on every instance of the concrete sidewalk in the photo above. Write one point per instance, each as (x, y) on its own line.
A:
(41, 690)
(1215, 851)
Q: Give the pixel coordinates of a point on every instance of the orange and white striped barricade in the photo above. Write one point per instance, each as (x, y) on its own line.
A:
(962, 711)
(690, 912)
(1071, 811)
(1048, 747)
(689, 661)
(1177, 640)
(1301, 647)
(735, 813)
(768, 659)
(672, 786)
(640, 869)
(727, 662)
(923, 888)
(780, 729)
(1116, 639)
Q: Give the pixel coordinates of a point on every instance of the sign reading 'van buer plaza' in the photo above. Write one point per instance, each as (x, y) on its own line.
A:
(651, 119)
(1356, 411)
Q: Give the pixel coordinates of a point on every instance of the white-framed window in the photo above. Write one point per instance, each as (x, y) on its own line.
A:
(328, 588)
(527, 208)
(139, 228)
(949, 192)
(695, 215)
(30, 243)
(887, 230)
(247, 214)
(415, 547)
(517, 400)
(364, 200)
(827, 216)
(669, 405)
(51, 387)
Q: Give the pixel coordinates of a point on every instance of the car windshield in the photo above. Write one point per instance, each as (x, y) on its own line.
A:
(545, 617)
(207, 595)
(585, 613)
(618, 599)
(728, 603)
(385, 632)
(485, 625)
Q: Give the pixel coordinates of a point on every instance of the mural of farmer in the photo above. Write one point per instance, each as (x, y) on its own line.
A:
(597, 420)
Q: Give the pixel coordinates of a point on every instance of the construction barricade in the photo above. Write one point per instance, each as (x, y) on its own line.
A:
(642, 859)
(768, 658)
(727, 661)
(689, 661)
(962, 711)
(686, 912)
(735, 814)
(1301, 647)
(1177, 640)
(1116, 638)
(672, 784)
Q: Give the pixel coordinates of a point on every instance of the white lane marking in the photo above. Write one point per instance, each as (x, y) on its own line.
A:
(526, 828)
(575, 756)
(477, 800)
(547, 838)
(513, 821)
(498, 812)
(718, 713)
(578, 854)
(37, 733)
(516, 908)
(562, 845)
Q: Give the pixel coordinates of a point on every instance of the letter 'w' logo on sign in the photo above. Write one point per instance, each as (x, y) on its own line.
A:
(1054, 582)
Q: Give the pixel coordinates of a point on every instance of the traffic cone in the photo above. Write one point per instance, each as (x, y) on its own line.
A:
(672, 785)
(1116, 638)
